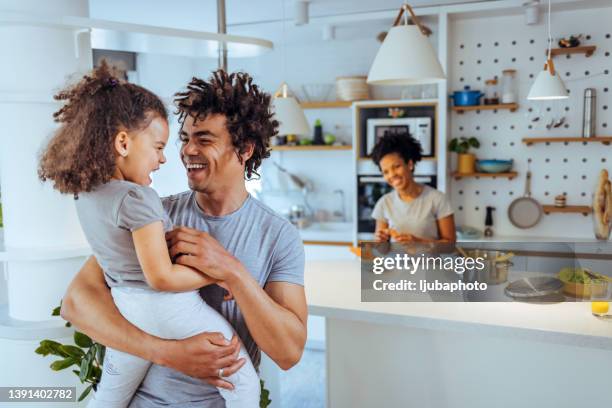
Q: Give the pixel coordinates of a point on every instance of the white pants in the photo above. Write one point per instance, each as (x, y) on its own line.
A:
(169, 316)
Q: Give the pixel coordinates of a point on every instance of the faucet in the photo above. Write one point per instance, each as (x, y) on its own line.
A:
(342, 212)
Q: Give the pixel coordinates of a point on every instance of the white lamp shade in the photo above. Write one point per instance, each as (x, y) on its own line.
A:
(290, 117)
(405, 57)
(547, 87)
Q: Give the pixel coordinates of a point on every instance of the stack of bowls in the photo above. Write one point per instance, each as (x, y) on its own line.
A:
(352, 88)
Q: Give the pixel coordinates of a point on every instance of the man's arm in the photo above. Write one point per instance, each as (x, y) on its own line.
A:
(276, 317)
(88, 305)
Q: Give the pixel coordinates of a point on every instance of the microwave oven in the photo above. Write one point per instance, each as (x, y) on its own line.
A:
(419, 128)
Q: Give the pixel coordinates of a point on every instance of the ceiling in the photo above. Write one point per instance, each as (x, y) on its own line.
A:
(202, 14)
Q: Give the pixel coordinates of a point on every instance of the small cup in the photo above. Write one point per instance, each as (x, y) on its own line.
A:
(601, 295)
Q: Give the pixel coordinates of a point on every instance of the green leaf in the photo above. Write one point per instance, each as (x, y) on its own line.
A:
(85, 393)
(54, 348)
(73, 351)
(100, 352)
(264, 399)
(68, 324)
(62, 364)
(56, 311)
(82, 340)
(96, 373)
(43, 350)
(77, 372)
(85, 368)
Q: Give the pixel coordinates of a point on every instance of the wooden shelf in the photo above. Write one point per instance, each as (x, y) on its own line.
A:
(599, 139)
(326, 105)
(587, 50)
(311, 148)
(512, 107)
(576, 209)
(509, 175)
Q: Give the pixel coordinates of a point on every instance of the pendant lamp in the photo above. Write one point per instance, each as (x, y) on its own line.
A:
(406, 56)
(289, 113)
(548, 84)
(287, 110)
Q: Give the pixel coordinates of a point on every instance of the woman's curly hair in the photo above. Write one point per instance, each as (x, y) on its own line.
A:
(249, 117)
(401, 143)
(80, 154)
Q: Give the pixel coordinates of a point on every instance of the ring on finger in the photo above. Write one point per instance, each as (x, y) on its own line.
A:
(220, 373)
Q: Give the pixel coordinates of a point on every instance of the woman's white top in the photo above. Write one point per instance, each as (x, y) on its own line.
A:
(418, 217)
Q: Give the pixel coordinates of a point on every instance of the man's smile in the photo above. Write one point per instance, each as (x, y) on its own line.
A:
(195, 167)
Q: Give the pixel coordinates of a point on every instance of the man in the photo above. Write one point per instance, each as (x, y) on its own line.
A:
(225, 233)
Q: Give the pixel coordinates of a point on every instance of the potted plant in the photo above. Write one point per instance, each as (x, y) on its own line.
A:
(465, 161)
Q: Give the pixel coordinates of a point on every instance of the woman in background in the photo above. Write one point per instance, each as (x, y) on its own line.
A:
(412, 212)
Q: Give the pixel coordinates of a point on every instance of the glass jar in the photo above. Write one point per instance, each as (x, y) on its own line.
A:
(509, 86)
(491, 92)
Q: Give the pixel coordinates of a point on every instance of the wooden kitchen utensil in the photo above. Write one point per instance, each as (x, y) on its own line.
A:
(525, 212)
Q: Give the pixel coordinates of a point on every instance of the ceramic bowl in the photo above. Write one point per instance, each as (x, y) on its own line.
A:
(493, 166)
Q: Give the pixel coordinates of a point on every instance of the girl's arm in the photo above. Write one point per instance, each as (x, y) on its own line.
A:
(160, 272)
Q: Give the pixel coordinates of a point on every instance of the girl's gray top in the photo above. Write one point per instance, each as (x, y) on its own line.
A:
(109, 214)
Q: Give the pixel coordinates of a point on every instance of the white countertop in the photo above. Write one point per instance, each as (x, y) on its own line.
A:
(328, 232)
(333, 290)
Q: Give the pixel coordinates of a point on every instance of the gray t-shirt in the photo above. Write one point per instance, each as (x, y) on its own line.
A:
(108, 215)
(271, 250)
(417, 217)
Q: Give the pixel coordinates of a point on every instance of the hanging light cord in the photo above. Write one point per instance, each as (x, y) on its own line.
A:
(284, 51)
(549, 34)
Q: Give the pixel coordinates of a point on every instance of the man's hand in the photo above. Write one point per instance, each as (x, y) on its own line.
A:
(202, 356)
(200, 251)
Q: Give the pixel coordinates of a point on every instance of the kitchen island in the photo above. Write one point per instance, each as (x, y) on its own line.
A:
(503, 354)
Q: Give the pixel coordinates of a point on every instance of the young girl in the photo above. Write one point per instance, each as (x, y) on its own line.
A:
(111, 138)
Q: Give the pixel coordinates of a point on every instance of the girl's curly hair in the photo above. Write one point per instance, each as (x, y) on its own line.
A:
(401, 143)
(80, 154)
(249, 117)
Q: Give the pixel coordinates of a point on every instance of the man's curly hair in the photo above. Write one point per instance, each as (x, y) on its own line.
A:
(80, 155)
(401, 143)
(247, 109)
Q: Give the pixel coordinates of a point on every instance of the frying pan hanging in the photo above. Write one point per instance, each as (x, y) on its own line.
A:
(525, 212)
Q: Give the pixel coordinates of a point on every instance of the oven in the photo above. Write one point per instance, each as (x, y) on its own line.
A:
(369, 190)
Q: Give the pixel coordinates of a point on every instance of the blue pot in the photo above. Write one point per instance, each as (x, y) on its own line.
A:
(493, 166)
(466, 97)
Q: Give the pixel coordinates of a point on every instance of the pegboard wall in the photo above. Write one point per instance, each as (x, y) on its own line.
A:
(479, 50)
